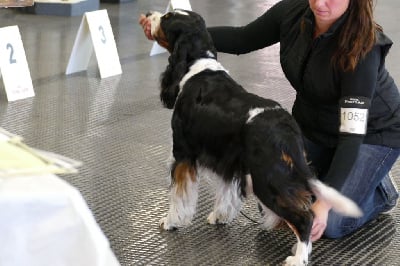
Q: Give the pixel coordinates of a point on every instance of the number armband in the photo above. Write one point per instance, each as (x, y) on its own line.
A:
(354, 115)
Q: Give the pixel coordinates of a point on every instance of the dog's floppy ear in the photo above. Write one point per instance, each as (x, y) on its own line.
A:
(176, 69)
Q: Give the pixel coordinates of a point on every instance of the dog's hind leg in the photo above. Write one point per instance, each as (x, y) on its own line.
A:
(227, 203)
(302, 249)
(183, 197)
(293, 205)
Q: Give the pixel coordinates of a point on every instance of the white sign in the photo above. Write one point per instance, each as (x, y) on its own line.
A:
(95, 32)
(353, 120)
(173, 4)
(14, 66)
(182, 4)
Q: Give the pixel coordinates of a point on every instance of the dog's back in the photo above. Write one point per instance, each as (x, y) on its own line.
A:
(220, 121)
(235, 133)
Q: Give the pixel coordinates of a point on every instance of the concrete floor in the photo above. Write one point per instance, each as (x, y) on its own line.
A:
(119, 129)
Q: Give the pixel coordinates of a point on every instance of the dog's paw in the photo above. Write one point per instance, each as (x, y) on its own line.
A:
(309, 248)
(166, 225)
(214, 218)
(294, 261)
(211, 219)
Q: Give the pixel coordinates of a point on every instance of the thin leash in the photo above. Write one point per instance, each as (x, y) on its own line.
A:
(248, 218)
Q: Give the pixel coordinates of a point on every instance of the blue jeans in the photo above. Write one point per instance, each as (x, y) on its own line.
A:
(368, 184)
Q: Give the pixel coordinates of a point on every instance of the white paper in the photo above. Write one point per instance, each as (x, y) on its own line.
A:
(18, 159)
(182, 4)
(45, 222)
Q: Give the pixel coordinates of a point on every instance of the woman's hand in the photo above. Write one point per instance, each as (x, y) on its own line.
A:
(321, 210)
(146, 25)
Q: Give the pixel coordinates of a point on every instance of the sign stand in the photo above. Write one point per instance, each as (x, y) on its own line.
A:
(14, 68)
(173, 4)
(95, 33)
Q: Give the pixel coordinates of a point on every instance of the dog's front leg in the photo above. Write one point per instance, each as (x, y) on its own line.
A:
(269, 219)
(183, 197)
(227, 203)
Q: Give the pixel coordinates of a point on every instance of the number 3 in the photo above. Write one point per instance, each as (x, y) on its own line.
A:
(12, 60)
(103, 39)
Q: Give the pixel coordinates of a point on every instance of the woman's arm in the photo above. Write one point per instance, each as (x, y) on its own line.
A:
(357, 89)
(262, 32)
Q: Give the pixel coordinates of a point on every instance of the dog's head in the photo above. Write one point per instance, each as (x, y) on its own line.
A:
(171, 28)
(184, 34)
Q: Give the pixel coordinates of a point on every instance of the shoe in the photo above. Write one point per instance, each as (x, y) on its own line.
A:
(389, 186)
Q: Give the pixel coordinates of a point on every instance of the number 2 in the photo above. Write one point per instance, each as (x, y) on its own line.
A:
(12, 60)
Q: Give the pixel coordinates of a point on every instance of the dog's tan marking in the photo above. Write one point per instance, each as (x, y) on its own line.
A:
(287, 159)
(304, 200)
(293, 228)
(282, 224)
(182, 173)
(162, 39)
(300, 200)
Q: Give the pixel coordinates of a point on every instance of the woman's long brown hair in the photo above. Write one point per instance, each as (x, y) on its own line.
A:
(358, 35)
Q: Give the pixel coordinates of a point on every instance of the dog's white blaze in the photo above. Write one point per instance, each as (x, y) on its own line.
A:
(254, 112)
(182, 12)
(199, 66)
(210, 54)
(155, 19)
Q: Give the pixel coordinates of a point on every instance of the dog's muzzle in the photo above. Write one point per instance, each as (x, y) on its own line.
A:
(155, 18)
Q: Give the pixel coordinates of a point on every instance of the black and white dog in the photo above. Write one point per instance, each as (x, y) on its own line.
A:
(252, 144)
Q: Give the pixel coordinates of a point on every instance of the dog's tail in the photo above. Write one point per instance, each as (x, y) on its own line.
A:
(340, 204)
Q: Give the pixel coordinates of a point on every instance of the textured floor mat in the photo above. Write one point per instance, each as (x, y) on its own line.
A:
(117, 127)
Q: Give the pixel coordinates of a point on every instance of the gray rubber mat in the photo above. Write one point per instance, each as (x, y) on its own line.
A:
(117, 127)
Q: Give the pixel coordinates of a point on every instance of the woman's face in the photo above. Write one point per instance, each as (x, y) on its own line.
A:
(328, 11)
